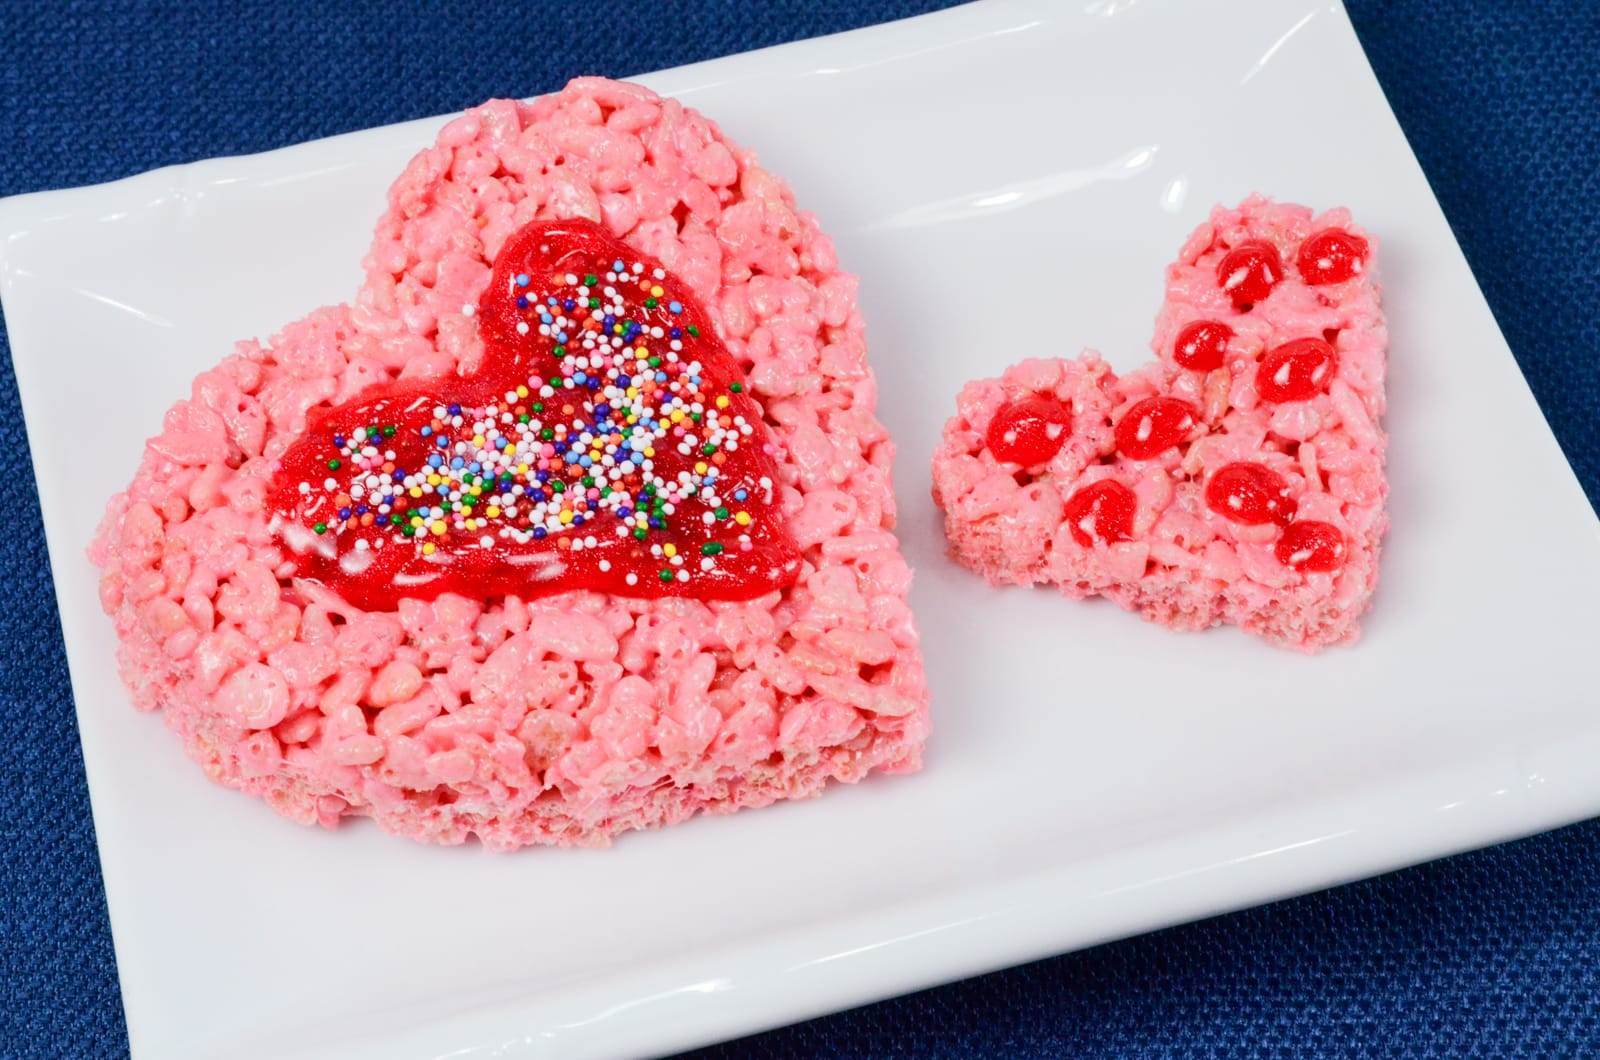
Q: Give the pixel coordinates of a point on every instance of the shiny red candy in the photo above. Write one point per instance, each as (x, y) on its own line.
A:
(1153, 426)
(608, 441)
(1202, 346)
(1101, 511)
(1296, 371)
(1029, 431)
(1249, 272)
(1251, 494)
(1331, 256)
(1310, 545)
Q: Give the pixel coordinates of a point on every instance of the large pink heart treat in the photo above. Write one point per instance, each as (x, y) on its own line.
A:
(576, 519)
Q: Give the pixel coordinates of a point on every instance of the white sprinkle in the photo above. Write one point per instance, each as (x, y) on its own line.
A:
(468, 309)
(632, 579)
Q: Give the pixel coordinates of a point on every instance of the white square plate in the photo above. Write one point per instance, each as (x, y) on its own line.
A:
(1091, 775)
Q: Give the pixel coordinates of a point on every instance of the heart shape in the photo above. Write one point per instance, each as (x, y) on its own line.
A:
(760, 670)
(1237, 478)
(607, 441)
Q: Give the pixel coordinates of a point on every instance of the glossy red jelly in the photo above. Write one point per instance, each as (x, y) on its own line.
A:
(608, 441)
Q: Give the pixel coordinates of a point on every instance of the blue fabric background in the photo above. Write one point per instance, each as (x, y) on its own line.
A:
(1488, 954)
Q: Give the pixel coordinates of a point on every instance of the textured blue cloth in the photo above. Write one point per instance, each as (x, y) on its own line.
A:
(1488, 954)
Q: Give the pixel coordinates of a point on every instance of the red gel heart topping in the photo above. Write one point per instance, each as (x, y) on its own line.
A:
(607, 441)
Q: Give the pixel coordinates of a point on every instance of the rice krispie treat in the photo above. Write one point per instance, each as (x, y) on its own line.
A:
(577, 519)
(1238, 478)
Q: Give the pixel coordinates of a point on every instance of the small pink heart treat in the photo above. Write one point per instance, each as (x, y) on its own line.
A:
(1238, 478)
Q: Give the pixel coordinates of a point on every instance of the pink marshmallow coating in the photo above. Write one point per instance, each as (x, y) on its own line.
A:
(570, 718)
(1186, 567)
